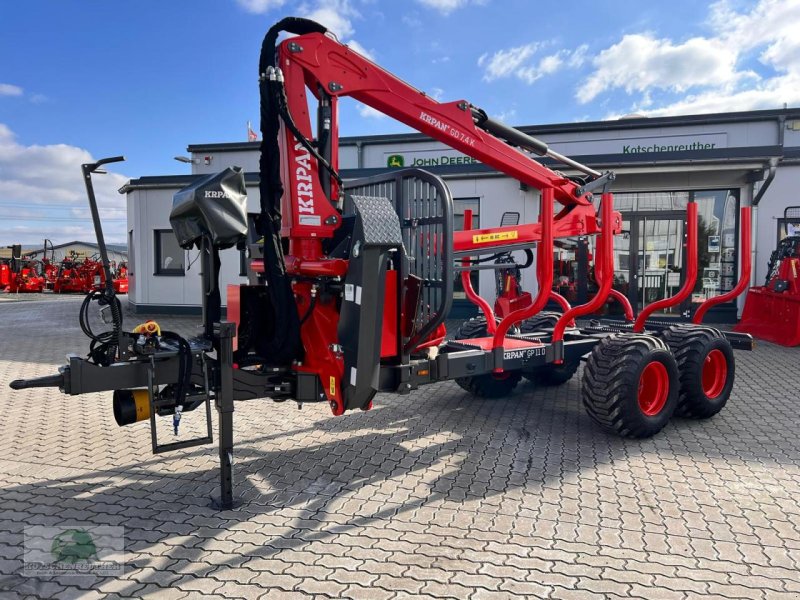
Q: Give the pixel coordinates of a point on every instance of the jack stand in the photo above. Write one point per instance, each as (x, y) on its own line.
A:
(224, 332)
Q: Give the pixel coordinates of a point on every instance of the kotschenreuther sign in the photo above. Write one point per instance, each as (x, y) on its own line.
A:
(636, 148)
(640, 145)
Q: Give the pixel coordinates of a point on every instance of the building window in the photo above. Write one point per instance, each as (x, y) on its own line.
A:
(459, 206)
(170, 257)
(789, 225)
(130, 253)
(717, 225)
(649, 256)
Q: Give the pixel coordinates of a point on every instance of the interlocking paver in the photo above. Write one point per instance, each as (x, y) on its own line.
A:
(435, 494)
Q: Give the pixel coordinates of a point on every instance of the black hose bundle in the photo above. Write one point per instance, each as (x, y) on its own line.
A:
(103, 346)
(284, 345)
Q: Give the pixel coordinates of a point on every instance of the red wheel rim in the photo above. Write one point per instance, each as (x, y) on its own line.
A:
(715, 373)
(653, 388)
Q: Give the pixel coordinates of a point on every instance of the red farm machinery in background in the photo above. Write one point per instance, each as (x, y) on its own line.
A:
(74, 274)
(350, 283)
(21, 275)
(772, 311)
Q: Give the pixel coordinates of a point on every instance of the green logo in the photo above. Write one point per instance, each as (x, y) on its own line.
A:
(72, 546)
(395, 161)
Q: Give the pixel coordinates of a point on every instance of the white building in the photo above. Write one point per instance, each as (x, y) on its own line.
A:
(720, 161)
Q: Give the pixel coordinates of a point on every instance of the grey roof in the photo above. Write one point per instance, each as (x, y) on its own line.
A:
(173, 181)
(604, 161)
(121, 248)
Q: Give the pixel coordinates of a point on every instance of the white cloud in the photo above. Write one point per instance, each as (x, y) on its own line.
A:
(506, 116)
(505, 62)
(515, 62)
(44, 182)
(713, 73)
(354, 45)
(444, 6)
(771, 23)
(411, 20)
(710, 70)
(640, 62)
(336, 15)
(773, 93)
(7, 89)
(436, 93)
(260, 6)
(547, 65)
(577, 57)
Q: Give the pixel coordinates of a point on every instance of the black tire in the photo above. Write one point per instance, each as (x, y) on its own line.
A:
(706, 369)
(624, 391)
(539, 321)
(487, 385)
(548, 375)
(553, 375)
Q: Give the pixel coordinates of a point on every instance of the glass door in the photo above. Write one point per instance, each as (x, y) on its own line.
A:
(656, 259)
(623, 249)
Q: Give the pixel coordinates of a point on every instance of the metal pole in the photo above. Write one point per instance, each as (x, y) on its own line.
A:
(87, 170)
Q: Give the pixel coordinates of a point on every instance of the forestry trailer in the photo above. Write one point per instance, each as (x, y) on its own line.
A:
(350, 282)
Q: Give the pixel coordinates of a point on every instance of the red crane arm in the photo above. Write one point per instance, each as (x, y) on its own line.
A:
(319, 63)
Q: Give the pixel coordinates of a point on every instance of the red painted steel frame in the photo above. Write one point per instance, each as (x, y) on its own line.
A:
(746, 236)
(691, 272)
(569, 222)
(469, 291)
(610, 222)
(544, 257)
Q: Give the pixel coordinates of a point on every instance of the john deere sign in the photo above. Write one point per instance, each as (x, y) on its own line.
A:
(428, 158)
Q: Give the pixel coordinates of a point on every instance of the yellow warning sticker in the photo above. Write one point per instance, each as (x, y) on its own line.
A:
(500, 236)
(333, 386)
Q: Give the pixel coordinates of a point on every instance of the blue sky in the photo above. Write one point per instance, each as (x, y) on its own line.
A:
(83, 79)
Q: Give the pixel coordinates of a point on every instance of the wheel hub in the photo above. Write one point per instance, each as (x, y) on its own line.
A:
(715, 373)
(653, 388)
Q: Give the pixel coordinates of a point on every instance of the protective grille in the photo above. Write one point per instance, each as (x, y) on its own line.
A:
(425, 207)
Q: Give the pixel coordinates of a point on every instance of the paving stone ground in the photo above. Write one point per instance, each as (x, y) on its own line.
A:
(434, 494)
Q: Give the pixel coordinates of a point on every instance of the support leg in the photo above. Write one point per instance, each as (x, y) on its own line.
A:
(224, 403)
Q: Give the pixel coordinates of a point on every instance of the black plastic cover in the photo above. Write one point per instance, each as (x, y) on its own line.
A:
(215, 206)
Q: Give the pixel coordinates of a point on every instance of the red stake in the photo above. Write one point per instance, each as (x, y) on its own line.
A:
(606, 254)
(544, 256)
(744, 279)
(691, 272)
(466, 283)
